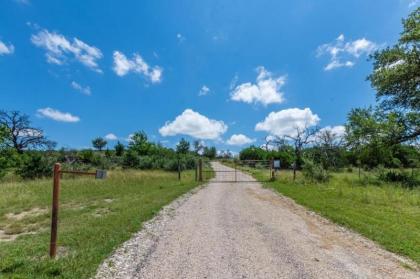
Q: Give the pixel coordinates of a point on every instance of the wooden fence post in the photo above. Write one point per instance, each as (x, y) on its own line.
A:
(179, 170)
(271, 169)
(196, 171)
(54, 213)
(200, 170)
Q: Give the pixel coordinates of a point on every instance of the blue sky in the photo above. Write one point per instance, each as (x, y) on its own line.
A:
(225, 72)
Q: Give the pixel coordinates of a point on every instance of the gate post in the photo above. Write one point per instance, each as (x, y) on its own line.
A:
(271, 169)
(179, 170)
(54, 214)
(196, 171)
(235, 171)
(200, 170)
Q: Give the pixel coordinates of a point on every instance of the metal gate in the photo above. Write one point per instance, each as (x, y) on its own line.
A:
(231, 171)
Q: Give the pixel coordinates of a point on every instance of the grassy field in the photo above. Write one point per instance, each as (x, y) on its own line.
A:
(383, 212)
(95, 217)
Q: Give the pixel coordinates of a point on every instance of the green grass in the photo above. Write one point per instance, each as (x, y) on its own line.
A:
(95, 217)
(383, 212)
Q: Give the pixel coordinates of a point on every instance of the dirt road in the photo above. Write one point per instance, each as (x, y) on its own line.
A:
(240, 230)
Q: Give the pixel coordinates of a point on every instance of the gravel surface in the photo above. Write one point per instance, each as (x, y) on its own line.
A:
(240, 230)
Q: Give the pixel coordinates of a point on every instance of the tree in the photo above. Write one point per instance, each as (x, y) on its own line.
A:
(301, 138)
(140, 143)
(396, 77)
(119, 149)
(99, 143)
(20, 134)
(328, 149)
(210, 152)
(198, 146)
(372, 135)
(183, 147)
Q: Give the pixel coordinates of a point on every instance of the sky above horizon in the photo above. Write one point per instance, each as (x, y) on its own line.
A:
(228, 73)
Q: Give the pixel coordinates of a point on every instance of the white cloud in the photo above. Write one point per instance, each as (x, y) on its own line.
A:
(123, 66)
(59, 49)
(413, 3)
(285, 122)
(204, 91)
(338, 131)
(57, 115)
(180, 37)
(239, 139)
(266, 90)
(83, 89)
(6, 49)
(345, 54)
(194, 124)
(111, 136)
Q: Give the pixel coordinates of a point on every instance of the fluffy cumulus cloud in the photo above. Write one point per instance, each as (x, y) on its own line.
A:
(335, 130)
(345, 54)
(266, 90)
(111, 136)
(59, 49)
(239, 139)
(6, 49)
(285, 122)
(194, 124)
(204, 91)
(57, 115)
(82, 89)
(124, 65)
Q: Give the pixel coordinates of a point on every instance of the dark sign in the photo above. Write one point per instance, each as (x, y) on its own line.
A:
(100, 174)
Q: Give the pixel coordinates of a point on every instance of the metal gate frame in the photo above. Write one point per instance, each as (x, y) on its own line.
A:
(235, 168)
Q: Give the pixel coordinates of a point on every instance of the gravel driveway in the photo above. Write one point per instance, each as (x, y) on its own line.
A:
(240, 230)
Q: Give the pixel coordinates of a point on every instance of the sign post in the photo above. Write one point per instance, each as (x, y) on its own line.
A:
(99, 174)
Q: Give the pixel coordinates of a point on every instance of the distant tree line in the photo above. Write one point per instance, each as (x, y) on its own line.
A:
(26, 151)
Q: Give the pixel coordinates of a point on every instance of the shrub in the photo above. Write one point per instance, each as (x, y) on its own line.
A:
(406, 179)
(145, 163)
(315, 172)
(131, 159)
(34, 165)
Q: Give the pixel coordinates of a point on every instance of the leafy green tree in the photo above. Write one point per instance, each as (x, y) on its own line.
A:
(210, 152)
(183, 147)
(396, 77)
(140, 143)
(99, 143)
(119, 149)
(371, 135)
(35, 165)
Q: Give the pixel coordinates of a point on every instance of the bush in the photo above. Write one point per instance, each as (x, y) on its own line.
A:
(314, 172)
(406, 179)
(131, 159)
(34, 165)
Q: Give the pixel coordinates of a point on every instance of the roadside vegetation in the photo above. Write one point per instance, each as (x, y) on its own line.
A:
(96, 216)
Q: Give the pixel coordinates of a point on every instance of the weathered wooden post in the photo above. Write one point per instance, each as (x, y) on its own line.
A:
(179, 170)
(54, 213)
(196, 171)
(236, 166)
(200, 170)
(271, 169)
